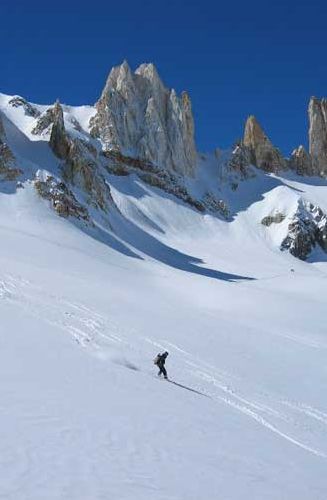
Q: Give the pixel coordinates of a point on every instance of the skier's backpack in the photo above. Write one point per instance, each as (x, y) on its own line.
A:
(156, 359)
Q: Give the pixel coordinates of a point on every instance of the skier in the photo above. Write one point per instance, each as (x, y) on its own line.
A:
(160, 361)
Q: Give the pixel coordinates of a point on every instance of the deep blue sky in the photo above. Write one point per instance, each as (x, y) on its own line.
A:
(234, 57)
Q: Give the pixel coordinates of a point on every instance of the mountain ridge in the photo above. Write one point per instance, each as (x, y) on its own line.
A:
(141, 128)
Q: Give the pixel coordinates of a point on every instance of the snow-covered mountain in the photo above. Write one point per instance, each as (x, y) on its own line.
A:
(119, 240)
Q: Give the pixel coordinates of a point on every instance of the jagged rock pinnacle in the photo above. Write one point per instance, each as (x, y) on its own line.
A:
(137, 115)
(318, 135)
(263, 154)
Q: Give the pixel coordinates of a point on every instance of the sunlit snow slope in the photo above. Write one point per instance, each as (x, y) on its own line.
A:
(83, 414)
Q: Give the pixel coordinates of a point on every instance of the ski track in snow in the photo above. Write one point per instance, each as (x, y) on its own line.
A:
(96, 331)
(307, 410)
(86, 326)
(247, 407)
(300, 340)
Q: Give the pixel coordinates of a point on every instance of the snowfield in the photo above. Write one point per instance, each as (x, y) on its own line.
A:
(83, 414)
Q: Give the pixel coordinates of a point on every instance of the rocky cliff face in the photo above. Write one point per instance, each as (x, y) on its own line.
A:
(307, 229)
(138, 116)
(59, 141)
(79, 167)
(170, 182)
(29, 110)
(262, 152)
(8, 168)
(257, 149)
(318, 135)
(301, 162)
(60, 196)
(44, 122)
(83, 166)
(240, 160)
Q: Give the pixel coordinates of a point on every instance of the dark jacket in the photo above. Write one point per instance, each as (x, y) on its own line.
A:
(161, 359)
(160, 362)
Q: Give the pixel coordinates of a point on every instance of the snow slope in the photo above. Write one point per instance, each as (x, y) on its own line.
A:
(83, 414)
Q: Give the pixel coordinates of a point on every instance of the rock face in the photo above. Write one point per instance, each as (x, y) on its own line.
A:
(307, 229)
(79, 161)
(138, 116)
(29, 110)
(8, 167)
(262, 152)
(62, 199)
(170, 182)
(318, 135)
(81, 170)
(240, 159)
(44, 122)
(275, 218)
(300, 161)
(59, 141)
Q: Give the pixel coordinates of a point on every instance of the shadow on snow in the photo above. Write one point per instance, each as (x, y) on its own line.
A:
(189, 388)
(134, 236)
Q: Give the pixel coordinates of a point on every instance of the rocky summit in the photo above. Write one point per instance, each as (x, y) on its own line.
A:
(137, 115)
(262, 153)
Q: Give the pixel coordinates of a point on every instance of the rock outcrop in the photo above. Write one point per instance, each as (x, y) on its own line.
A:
(236, 166)
(216, 205)
(44, 122)
(138, 116)
(59, 142)
(29, 110)
(262, 152)
(170, 182)
(307, 229)
(8, 168)
(300, 161)
(240, 160)
(318, 135)
(275, 218)
(81, 169)
(79, 162)
(61, 197)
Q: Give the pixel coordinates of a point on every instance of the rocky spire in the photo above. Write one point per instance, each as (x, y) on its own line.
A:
(138, 116)
(59, 142)
(262, 152)
(318, 135)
